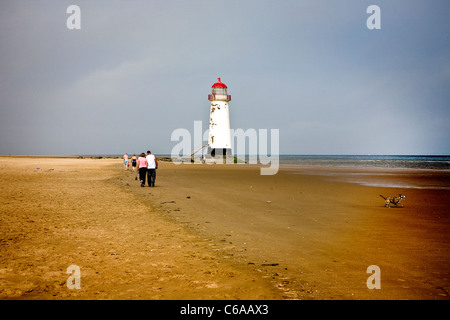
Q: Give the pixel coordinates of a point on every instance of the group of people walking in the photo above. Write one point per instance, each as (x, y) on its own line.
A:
(146, 166)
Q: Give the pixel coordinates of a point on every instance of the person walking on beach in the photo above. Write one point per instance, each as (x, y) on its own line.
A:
(125, 161)
(142, 163)
(133, 162)
(151, 169)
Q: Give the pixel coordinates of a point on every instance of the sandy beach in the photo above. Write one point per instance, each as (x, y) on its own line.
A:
(220, 232)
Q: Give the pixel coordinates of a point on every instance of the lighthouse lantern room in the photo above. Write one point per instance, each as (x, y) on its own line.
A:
(219, 140)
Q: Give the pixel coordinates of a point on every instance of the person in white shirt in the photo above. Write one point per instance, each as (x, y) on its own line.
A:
(151, 169)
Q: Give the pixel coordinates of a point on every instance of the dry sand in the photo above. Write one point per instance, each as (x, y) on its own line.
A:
(220, 232)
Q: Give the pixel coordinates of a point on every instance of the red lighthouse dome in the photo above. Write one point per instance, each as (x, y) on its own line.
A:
(219, 84)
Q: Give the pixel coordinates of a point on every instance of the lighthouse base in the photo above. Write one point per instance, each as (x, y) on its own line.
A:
(219, 155)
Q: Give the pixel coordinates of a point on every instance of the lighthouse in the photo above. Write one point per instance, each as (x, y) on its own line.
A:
(219, 139)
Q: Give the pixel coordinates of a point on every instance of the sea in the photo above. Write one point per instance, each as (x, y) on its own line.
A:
(382, 161)
(438, 180)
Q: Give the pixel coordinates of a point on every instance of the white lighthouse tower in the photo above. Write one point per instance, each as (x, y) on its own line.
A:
(219, 141)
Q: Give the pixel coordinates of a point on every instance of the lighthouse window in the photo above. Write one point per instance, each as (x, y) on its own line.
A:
(219, 91)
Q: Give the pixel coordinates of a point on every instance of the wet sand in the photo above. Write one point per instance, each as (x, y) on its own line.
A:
(220, 232)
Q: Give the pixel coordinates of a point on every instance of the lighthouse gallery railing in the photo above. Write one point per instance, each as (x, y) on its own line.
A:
(219, 97)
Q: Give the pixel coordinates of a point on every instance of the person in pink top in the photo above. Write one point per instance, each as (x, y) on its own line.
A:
(142, 165)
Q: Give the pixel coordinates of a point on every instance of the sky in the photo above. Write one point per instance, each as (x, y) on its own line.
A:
(137, 70)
